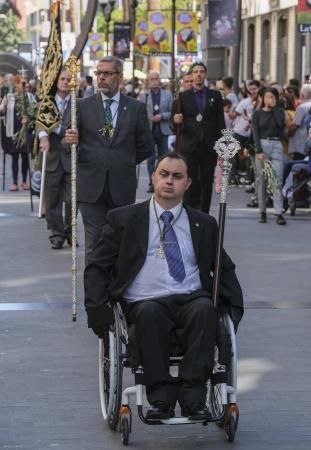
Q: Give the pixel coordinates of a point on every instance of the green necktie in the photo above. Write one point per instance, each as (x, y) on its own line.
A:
(108, 115)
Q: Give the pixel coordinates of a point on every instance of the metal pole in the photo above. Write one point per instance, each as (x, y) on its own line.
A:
(237, 50)
(41, 201)
(73, 67)
(226, 147)
(173, 43)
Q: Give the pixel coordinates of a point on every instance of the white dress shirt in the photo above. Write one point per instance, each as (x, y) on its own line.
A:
(154, 279)
(113, 107)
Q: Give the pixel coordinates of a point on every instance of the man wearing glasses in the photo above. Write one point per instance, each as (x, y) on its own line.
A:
(113, 136)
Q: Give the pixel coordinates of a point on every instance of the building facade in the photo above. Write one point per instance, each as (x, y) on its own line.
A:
(271, 46)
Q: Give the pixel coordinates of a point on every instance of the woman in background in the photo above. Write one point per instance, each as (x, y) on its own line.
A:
(268, 123)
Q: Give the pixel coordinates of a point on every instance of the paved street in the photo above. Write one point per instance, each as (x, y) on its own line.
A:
(48, 364)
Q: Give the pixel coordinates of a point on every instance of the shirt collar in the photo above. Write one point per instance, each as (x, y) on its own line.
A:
(155, 205)
(59, 99)
(115, 98)
(198, 90)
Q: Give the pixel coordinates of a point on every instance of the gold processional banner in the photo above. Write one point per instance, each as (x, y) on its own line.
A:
(48, 117)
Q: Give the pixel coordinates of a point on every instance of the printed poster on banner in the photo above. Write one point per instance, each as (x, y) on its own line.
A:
(141, 37)
(187, 32)
(222, 30)
(160, 32)
(96, 44)
(121, 39)
(304, 16)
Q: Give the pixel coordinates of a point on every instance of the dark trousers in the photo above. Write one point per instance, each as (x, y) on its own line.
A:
(201, 168)
(25, 166)
(57, 190)
(94, 218)
(161, 143)
(155, 321)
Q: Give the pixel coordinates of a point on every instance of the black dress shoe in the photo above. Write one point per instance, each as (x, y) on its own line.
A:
(160, 411)
(252, 203)
(57, 243)
(196, 411)
(280, 220)
(262, 218)
(69, 240)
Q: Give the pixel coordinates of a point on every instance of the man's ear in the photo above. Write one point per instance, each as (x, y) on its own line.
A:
(189, 183)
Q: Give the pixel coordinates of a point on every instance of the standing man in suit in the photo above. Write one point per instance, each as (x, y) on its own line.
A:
(57, 187)
(112, 137)
(159, 109)
(201, 115)
(156, 258)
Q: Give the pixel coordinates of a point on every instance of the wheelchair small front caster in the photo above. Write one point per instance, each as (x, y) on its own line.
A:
(125, 430)
(230, 428)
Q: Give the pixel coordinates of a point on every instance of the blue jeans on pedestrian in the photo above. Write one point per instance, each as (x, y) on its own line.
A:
(161, 147)
(273, 152)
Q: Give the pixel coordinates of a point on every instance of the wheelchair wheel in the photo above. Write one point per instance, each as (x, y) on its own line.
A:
(110, 372)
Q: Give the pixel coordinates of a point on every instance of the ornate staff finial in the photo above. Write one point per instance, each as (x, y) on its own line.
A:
(226, 147)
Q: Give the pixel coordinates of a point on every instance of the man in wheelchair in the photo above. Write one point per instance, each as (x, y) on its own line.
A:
(157, 259)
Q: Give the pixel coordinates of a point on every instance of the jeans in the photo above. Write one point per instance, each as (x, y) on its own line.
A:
(273, 152)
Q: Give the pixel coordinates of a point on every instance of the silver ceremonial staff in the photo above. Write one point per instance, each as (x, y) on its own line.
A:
(73, 67)
(226, 147)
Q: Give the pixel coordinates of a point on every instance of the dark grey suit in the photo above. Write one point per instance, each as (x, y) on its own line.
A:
(106, 168)
(58, 184)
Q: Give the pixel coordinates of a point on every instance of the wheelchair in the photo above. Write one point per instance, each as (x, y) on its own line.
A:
(117, 353)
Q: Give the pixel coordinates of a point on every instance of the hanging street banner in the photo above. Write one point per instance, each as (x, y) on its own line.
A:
(222, 24)
(141, 37)
(121, 39)
(187, 32)
(96, 43)
(160, 32)
(304, 16)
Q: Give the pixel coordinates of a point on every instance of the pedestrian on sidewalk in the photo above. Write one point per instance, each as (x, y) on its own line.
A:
(268, 124)
(14, 141)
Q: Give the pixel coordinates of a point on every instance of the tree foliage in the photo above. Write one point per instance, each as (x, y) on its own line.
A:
(10, 34)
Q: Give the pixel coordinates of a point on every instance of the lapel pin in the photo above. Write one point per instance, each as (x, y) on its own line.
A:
(197, 224)
(125, 108)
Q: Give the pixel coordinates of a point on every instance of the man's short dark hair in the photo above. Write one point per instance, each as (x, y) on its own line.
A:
(254, 83)
(228, 82)
(172, 155)
(199, 63)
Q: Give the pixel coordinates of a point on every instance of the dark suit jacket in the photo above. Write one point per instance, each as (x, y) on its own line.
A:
(121, 252)
(57, 154)
(209, 129)
(100, 157)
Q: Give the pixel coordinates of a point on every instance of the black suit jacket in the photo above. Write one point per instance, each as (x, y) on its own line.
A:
(121, 252)
(193, 133)
(100, 157)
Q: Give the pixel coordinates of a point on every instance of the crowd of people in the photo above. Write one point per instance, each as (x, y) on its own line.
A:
(269, 121)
